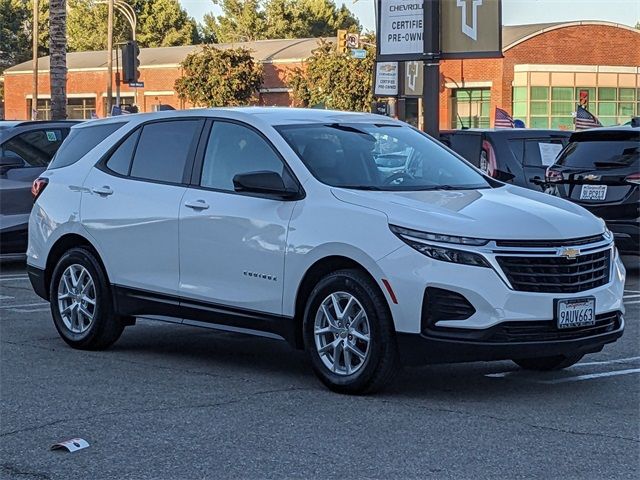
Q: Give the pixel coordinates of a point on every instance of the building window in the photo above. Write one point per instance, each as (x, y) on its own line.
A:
(44, 108)
(80, 108)
(471, 108)
(124, 102)
(77, 108)
(554, 107)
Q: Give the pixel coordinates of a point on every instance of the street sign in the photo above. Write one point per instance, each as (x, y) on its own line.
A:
(353, 40)
(471, 28)
(413, 79)
(386, 79)
(136, 84)
(401, 29)
(358, 53)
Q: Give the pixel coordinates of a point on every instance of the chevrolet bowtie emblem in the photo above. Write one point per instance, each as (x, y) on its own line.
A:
(591, 177)
(569, 253)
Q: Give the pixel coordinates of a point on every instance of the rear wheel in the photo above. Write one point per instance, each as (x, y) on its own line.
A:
(349, 333)
(81, 303)
(557, 362)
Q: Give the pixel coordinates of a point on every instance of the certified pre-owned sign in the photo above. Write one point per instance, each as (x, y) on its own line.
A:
(401, 28)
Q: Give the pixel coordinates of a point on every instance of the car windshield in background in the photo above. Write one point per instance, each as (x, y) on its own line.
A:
(378, 157)
(601, 153)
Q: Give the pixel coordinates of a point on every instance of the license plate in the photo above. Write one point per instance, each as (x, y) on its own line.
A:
(593, 192)
(577, 312)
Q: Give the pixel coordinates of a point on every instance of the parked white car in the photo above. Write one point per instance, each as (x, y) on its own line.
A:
(278, 222)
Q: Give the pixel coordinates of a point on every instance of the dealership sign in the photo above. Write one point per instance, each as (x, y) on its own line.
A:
(386, 79)
(468, 29)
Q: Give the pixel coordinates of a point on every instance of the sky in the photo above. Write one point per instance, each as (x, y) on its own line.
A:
(514, 12)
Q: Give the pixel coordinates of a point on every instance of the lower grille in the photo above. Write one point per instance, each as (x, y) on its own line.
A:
(548, 331)
(557, 274)
(440, 304)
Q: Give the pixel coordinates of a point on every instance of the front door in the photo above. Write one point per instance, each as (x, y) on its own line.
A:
(131, 203)
(232, 245)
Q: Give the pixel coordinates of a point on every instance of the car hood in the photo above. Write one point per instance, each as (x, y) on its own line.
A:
(504, 213)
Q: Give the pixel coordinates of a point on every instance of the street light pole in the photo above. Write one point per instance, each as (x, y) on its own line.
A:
(34, 98)
(109, 57)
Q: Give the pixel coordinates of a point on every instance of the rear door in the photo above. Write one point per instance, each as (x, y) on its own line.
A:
(132, 200)
(593, 170)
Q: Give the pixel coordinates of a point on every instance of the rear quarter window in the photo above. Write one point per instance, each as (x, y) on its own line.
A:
(80, 141)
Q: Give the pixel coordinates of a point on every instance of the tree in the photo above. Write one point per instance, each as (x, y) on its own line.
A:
(334, 80)
(58, 60)
(217, 77)
(247, 20)
(15, 33)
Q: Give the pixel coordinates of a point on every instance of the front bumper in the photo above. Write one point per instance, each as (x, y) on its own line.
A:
(431, 347)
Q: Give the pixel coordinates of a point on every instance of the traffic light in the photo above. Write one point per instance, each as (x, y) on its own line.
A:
(342, 41)
(130, 62)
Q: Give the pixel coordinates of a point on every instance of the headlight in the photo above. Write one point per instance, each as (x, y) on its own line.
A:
(437, 237)
(442, 253)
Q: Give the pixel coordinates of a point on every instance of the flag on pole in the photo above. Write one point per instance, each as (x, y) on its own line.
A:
(585, 119)
(503, 119)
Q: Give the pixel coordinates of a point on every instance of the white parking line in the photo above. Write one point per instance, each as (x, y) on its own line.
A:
(6, 297)
(13, 279)
(632, 302)
(9, 307)
(590, 376)
(28, 310)
(581, 364)
(633, 295)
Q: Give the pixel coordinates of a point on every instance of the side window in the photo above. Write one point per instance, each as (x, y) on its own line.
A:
(163, 150)
(35, 148)
(542, 152)
(120, 160)
(233, 149)
(80, 141)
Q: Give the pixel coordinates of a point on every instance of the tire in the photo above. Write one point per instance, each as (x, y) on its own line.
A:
(380, 362)
(547, 364)
(79, 331)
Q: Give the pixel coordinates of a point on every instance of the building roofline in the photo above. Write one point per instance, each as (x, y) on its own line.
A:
(565, 25)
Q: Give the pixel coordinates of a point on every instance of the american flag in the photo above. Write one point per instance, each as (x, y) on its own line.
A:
(585, 119)
(503, 119)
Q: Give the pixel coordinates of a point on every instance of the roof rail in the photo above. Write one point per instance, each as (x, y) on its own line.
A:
(40, 122)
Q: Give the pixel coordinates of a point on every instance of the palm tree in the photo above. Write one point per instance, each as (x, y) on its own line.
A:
(58, 59)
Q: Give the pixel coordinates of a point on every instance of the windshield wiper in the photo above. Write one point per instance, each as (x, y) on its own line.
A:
(359, 187)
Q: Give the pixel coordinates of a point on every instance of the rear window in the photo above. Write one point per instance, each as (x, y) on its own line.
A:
(80, 141)
(603, 153)
(537, 152)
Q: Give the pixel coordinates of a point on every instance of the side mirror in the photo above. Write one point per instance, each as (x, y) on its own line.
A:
(7, 163)
(265, 182)
(503, 176)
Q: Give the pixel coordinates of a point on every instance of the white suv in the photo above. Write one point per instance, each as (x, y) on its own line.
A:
(286, 223)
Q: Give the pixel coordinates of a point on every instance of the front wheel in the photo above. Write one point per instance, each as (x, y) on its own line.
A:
(546, 364)
(81, 303)
(349, 333)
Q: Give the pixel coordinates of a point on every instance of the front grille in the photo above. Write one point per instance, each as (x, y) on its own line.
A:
(440, 304)
(548, 331)
(557, 274)
(550, 243)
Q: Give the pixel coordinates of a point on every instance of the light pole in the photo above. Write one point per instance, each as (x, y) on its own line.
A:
(34, 97)
(129, 13)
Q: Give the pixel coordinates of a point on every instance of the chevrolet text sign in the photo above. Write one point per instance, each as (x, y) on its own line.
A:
(401, 27)
(468, 29)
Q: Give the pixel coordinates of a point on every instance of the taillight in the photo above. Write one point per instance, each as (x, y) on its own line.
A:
(633, 178)
(492, 165)
(553, 176)
(38, 187)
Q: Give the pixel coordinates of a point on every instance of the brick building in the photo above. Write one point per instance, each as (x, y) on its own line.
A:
(545, 71)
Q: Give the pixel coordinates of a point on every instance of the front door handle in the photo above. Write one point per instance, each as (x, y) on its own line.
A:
(197, 204)
(104, 190)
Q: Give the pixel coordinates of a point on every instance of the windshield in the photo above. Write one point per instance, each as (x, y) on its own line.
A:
(378, 157)
(600, 154)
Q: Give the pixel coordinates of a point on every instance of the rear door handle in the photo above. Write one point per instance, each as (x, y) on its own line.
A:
(104, 190)
(197, 204)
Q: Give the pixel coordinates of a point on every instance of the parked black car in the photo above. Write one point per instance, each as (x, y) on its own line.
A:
(26, 148)
(518, 156)
(600, 170)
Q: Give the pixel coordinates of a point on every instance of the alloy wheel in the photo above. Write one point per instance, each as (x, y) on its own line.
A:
(76, 298)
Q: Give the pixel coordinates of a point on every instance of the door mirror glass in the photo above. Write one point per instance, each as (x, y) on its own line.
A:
(263, 182)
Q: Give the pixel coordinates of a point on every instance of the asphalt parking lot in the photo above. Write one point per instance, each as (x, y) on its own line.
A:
(169, 402)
